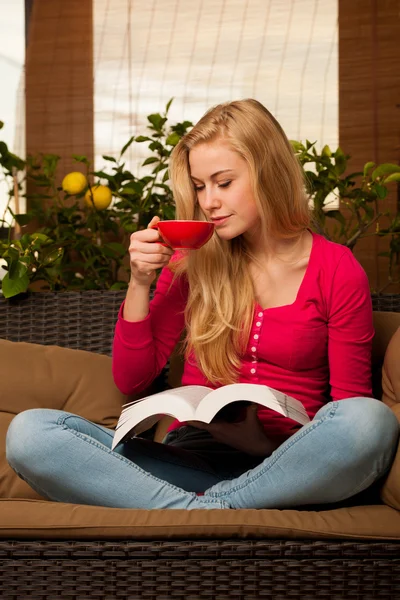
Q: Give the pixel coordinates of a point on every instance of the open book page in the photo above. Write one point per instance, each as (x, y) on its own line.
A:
(180, 403)
(201, 403)
(261, 394)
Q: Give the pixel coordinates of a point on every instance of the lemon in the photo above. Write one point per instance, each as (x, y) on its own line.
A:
(74, 183)
(100, 196)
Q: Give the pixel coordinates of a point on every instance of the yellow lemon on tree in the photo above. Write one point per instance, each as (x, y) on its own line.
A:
(100, 196)
(74, 183)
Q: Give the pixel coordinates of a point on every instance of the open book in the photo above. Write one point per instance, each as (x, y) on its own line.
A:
(201, 403)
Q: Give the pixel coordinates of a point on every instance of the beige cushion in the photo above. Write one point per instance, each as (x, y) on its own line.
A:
(48, 520)
(36, 376)
(81, 382)
(390, 492)
(385, 325)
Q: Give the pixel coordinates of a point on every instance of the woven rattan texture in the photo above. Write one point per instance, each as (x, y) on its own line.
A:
(196, 549)
(189, 570)
(216, 579)
(83, 320)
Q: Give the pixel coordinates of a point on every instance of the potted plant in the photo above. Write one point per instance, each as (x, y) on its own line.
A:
(360, 211)
(73, 237)
(74, 240)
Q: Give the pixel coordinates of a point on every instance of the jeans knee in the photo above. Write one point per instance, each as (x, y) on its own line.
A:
(372, 423)
(25, 438)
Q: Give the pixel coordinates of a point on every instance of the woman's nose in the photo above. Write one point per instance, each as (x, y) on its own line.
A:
(211, 198)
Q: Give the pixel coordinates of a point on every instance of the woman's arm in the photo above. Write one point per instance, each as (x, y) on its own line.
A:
(142, 348)
(350, 331)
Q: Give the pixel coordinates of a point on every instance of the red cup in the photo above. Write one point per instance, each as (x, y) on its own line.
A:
(185, 234)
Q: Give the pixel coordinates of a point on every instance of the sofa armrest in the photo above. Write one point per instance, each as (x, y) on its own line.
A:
(390, 491)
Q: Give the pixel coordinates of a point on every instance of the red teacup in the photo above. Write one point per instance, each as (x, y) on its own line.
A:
(185, 234)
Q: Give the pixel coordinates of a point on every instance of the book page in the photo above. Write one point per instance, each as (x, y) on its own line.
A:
(260, 394)
(179, 403)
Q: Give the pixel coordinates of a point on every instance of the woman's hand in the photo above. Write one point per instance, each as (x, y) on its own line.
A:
(147, 254)
(247, 435)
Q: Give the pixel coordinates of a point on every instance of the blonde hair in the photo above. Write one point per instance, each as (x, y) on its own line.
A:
(220, 307)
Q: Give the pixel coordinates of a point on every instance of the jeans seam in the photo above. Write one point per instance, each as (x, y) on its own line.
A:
(278, 454)
(63, 418)
(131, 464)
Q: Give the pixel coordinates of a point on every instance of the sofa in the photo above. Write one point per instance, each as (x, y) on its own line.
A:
(55, 352)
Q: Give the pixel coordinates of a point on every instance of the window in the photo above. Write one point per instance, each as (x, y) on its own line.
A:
(281, 52)
(12, 56)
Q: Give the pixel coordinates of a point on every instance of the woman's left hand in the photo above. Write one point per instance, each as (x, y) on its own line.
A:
(247, 435)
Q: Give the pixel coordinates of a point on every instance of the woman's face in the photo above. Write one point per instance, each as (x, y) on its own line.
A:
(221, 178)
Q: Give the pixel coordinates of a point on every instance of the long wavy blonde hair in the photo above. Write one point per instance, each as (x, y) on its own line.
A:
(221, 301)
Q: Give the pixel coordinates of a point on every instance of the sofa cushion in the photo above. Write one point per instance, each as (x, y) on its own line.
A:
(385, 325)
(390, 492)
(37, 376)
(48, 520)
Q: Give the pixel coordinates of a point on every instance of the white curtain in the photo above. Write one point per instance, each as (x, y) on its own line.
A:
(281, 52)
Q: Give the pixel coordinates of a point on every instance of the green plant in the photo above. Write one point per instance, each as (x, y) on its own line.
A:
(73, 246)
(359, 196)
(66, 245)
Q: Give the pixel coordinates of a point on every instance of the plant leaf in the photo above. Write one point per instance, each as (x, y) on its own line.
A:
(80, 158)
(18, 284)
(385, 169)
(392, 177)
(381, 191)
(326, 151)
(150, 160)
(367, 167)
(172, 139)
(125, 148)
(23, 219)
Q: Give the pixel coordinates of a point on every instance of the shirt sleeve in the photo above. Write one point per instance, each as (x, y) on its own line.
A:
(350, 330)
(142, 349)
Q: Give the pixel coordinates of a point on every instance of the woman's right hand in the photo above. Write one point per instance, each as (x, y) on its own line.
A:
(147, 254)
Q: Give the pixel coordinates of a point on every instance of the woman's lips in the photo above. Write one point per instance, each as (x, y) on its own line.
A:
(220, 221)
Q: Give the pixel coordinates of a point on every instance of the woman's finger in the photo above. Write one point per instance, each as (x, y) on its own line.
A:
(153, 221)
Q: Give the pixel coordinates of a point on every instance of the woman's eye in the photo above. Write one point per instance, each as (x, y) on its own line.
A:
(225, 184)
(198, 188)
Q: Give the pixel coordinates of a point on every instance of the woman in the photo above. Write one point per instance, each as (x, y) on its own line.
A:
(265, 301)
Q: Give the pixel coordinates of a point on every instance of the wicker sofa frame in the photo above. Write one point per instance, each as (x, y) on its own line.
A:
(180, 568)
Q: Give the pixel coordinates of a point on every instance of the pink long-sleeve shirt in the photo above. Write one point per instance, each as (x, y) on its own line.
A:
(317, 349)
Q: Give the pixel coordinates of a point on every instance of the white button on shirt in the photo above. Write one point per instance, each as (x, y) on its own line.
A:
(253, 349)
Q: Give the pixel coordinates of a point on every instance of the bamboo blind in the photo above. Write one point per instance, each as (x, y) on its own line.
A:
(59, 80)
(369, 102)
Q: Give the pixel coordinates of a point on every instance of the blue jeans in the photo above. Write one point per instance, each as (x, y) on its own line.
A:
(348, 445)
